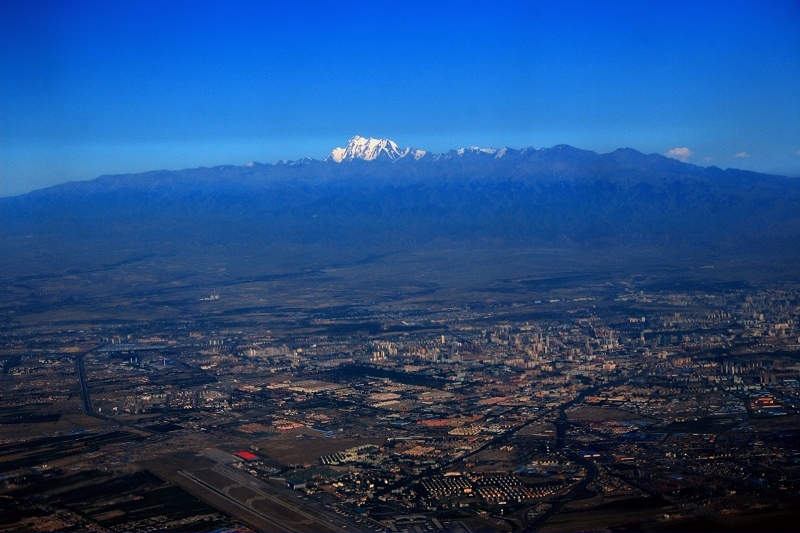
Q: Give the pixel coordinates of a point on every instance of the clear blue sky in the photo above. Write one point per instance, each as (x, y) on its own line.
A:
(106, 87)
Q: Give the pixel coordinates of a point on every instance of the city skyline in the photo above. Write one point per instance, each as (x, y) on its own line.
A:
(109, 88)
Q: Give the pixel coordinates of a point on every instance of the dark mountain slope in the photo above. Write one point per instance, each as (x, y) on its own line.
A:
(560, 197)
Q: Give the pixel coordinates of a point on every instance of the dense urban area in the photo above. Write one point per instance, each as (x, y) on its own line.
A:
(610, 406)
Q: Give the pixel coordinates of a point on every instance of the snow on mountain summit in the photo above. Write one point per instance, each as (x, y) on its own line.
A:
(370, 149)
(476, 150)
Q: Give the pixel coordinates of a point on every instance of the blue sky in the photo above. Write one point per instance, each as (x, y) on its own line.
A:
(90, 88)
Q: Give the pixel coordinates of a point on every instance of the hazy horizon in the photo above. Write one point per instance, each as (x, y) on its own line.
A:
(141, 170)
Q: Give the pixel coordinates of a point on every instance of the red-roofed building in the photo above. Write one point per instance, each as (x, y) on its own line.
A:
(247, 456)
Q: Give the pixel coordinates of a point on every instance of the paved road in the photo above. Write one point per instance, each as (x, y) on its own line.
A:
(301, 513)
(87, 400)
(558, 503)
(562, 425)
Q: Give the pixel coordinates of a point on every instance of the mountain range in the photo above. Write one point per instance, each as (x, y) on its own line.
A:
(372, 197)
(371, 150)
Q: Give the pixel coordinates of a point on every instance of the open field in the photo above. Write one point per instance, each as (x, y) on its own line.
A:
(288, 449)
(603, 414)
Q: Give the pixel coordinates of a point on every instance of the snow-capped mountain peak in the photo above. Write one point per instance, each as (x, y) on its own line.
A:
(370, 149)
(476, 150)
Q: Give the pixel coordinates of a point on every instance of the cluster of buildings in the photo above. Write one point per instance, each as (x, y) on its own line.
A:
(690, 397)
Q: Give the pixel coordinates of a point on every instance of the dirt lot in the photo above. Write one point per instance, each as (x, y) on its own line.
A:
(300, 447)
(599, 414)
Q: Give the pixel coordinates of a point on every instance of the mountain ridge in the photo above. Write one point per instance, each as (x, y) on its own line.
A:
(562, 198)
(370, 149)
(557, 162)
